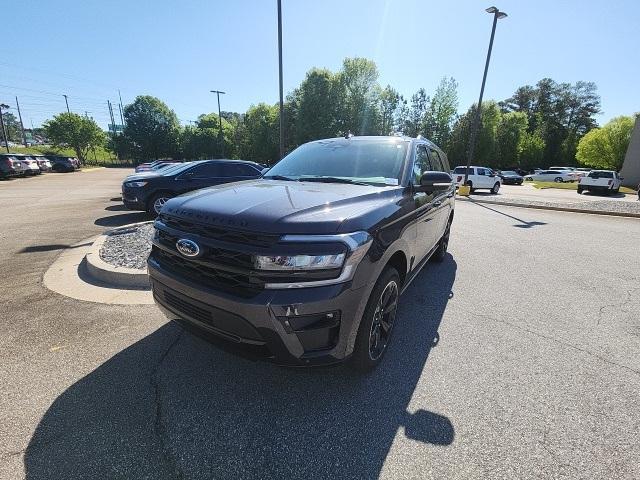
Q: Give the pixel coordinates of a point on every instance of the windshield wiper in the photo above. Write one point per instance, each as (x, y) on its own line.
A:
(331, 180)
(280, 177)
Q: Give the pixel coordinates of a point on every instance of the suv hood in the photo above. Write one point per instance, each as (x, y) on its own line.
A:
(274, 206)
(142, 176)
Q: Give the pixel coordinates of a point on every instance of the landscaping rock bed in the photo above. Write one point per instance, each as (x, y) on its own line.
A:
(605, 207)
(128, 247)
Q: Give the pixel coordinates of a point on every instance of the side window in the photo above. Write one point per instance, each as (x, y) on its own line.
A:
(421, 164)
(481, 171)
(239, 170)
(436, 162)
(208, 170)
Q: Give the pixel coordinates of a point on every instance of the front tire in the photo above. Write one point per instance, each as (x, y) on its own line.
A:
(495, 188)
(157, 202)
(558, 179)
(441, 252)
(377, 321)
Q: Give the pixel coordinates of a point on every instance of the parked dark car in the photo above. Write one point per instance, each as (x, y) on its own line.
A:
(10, 166)
(63, 164)
(150, 190)
(511, 177)
(305, 266)
(145, 167)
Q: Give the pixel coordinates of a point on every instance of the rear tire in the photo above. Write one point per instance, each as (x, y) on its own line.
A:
(579, 191)
(378, 319)
(470, 185)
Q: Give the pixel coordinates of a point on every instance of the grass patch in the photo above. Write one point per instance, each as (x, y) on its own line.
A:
(101, 156)
(572, 186)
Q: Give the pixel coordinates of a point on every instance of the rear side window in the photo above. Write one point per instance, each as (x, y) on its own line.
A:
(463, 170)
(208, 170)
(238, 170)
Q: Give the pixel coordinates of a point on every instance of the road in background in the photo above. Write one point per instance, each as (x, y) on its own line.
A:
(515, 358)
(527, 191)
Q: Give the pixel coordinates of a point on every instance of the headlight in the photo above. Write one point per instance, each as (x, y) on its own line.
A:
(136, 184)
(299, 262)
(357, 243)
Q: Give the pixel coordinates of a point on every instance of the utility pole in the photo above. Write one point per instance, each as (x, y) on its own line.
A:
(4, 130)
(66, 100)
(121, 108)
(221, 139)
(24, 137)
(280, 78)
(497, 14)
(121, 116)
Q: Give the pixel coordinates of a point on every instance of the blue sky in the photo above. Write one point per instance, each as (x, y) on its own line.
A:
(178, 51)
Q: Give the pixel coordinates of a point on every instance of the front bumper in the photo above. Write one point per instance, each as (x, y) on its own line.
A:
(295, 327)
(133, 198)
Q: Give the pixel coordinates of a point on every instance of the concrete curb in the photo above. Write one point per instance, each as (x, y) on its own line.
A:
(118, 276)
(548, 207)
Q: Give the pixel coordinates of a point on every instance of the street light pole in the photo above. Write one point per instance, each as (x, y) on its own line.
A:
(280, 78)
(497, 14)
(4, 130)
(67, 102)
(218, 92)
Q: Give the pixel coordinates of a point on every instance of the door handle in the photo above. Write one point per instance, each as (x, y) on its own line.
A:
(437, 203)
(450, 195)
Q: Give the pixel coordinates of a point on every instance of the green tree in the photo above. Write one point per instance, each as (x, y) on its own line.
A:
(389, 105)
(441, 112)
(531, 151)
(415, 117)
(512, 127)
(357, 94)
(606, 147)
(314, 107)
(75, 131)
(12, 125)
(486, 150)
(151, 128)
(261, 138)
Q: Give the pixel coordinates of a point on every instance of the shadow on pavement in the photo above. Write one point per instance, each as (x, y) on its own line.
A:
(117, 208)
(173, 406)
(122, 219)
(522, 224)
(50, 247)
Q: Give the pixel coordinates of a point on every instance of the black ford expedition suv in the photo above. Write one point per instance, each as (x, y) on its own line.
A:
(306, 265)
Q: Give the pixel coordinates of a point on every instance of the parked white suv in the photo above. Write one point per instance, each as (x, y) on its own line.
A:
(606, 181)
(479, 177)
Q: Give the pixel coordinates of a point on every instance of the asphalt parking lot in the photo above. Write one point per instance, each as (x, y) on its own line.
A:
(518, 357)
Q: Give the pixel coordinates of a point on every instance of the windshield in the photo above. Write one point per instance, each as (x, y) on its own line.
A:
(371, 161)
(600, 174)
(509, 172)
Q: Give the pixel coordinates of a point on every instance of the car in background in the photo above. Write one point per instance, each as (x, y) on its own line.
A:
(63, 164)
(152, 189)
(510, 177)
(144, 167)
(29, 164)
(605, 181)
(43, 163)
(558, 176)
(10, 166)
(570, 170)
(479, 177)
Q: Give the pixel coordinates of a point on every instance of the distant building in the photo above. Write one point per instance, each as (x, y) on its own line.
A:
(631, 167)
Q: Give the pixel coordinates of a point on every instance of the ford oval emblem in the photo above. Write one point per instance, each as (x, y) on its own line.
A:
(188, 248)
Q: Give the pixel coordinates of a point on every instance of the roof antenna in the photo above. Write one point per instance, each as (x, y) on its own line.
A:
(348, 134)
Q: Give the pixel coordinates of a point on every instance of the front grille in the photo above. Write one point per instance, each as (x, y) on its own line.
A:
(212, 255)
(240, 284)
(220, 234)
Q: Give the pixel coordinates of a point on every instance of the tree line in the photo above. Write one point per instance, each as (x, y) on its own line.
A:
(537, 126)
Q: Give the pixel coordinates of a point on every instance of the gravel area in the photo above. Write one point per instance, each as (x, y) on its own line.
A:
(596, 206)
(128, 247)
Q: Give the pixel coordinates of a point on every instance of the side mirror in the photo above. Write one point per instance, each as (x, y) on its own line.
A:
(435, 182)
